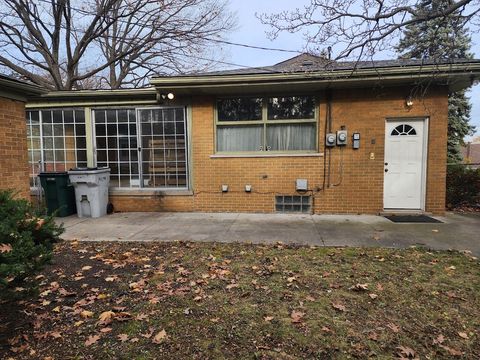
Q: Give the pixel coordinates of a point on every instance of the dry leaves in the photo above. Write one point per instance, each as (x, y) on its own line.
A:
(106, 317)
(339, 306)
(5, 248)
(160, 337)
(393, 327)
(359, 287)
(92, 339)
(404, 352)
(122, 337)
(452, 352)
(86, 314)
(297, 316)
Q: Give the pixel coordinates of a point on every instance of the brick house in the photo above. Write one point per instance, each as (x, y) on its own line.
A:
(305, 135)
(13, 134)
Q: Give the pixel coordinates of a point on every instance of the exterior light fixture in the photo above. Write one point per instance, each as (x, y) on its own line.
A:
(409, 102)
(169, 96)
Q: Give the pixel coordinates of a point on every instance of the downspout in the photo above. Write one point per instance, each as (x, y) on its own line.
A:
(328, 124)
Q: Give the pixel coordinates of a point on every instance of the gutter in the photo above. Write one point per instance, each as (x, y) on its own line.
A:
(414, 72)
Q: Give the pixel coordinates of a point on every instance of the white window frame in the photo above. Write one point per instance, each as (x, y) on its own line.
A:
(139, 160)
(42, 149)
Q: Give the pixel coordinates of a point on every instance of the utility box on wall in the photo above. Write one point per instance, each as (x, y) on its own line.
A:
(301, 185)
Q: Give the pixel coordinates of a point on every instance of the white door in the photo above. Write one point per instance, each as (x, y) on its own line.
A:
(404, 164)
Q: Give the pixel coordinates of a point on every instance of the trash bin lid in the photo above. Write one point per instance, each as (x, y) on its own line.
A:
(88, 170)
(53, 173)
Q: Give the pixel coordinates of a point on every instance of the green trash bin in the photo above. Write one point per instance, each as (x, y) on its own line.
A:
(59, 193)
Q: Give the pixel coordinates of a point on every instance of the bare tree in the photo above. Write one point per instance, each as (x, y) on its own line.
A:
(360, 28)
(68, 44)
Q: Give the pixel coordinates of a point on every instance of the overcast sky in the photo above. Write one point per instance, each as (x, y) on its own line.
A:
(251, 31)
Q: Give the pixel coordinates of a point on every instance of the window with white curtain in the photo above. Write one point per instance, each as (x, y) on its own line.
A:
(276, 124)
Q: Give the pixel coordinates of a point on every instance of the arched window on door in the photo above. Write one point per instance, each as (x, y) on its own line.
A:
(403, 129)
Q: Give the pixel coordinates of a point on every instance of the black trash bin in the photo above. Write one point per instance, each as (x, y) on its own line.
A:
(59, 193)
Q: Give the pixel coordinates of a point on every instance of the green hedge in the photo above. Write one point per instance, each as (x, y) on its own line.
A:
(463, 186)
(26, 239)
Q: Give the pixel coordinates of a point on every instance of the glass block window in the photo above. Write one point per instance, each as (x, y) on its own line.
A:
(278, 124)
(56, 140)
(293, 204)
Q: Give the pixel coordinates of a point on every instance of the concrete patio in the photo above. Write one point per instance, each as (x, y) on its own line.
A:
(458, 231)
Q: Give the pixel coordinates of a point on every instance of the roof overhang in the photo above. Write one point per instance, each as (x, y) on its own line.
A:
(95, 98)
(455, 76)
(18, 90)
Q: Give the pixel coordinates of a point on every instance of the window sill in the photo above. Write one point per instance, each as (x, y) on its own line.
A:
(222, 156)
(149, 192)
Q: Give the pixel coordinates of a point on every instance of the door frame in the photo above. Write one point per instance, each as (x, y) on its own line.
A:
(423, 189)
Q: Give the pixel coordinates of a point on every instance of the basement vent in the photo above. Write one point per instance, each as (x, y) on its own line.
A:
(293, 204)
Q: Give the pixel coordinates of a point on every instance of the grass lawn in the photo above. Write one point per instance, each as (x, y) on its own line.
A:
(209, 301)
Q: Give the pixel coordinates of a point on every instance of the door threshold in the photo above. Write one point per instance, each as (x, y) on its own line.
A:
(390, 212)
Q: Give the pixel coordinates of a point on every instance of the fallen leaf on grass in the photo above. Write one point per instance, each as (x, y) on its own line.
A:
(66, 293)
(106, 330)
(231, 286)
(5, 248)
(86, 268)
(122, 337)
(86, 314)
(106, 317)
(359, 287)
(451, 351)
(393, 327)
(463, 335)
(55, 334)
(160, 337)
(373, 296)
(268, 318)
(405, 352)
(92, 339)
(297, 316)
(339, 307)
(439, 340)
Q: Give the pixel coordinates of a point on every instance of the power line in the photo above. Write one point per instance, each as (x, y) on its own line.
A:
(255, 47)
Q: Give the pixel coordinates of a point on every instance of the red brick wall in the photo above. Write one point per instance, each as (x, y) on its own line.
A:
(14, 172)
(357, 188)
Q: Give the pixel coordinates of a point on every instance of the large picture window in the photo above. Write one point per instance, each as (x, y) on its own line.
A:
(277, 124)
(144, 147)
(56, 140)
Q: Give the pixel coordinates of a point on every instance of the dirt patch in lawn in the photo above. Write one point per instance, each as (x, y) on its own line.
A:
(208, 301)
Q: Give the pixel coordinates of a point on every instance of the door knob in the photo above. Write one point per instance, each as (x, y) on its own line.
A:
(386, 164)
(386, 170)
